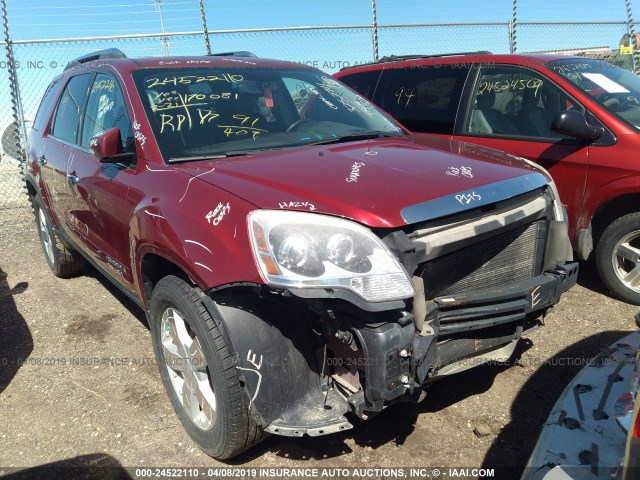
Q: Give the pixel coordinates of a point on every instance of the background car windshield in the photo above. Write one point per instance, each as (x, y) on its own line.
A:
(215, 111)
(615, 89)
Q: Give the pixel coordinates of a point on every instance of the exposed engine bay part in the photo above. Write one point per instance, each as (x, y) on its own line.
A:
(282, 377)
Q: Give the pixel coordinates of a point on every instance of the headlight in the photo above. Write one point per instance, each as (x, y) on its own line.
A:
(308, 250)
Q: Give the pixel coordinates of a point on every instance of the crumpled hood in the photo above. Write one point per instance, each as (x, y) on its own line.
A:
(380, 183)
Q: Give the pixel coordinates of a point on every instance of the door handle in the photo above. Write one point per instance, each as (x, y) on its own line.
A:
(72, 178)
(42, 160)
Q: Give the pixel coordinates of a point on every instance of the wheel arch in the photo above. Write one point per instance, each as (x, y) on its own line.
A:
(155, 264)
(32, 189)
(611, 210)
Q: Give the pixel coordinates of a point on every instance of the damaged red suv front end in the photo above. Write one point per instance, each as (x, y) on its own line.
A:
(300, 258)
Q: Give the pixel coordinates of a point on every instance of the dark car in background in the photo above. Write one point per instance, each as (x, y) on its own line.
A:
(577, 117)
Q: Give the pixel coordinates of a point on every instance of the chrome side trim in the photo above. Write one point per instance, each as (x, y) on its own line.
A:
(477, 197)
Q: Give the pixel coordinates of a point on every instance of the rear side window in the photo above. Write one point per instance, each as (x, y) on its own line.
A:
(43, 109)
(422, 98)
(364, 83)
(65, 122)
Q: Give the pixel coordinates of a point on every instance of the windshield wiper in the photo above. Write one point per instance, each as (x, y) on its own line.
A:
(352, 137)
(207, 157)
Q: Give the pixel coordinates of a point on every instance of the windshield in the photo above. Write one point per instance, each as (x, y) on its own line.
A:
(615, 89)
(200, 112)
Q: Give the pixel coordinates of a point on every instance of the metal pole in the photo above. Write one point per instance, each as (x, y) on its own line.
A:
(16, 103)
(633, 43)
(374, 30)
(165, 42)
(207, 45)
(512, 28)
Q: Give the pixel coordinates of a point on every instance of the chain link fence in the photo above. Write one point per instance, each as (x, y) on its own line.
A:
(443, 38)
(328, 48)
(604, 40)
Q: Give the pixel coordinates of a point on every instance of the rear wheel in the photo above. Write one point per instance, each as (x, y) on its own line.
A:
(62, 260)
(197, 369)
(618, 257)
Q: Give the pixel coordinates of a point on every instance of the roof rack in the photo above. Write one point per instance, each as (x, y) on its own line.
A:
(241, 53)
(396, 58)
(100, 54)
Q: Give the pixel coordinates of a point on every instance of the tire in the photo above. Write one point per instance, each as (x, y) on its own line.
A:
(618, 257)
(215, 413)
(62, 261)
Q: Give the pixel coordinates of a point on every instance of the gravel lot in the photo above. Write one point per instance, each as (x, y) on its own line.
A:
(93, 414)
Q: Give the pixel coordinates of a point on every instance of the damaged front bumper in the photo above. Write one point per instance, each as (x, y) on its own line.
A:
(302, 378)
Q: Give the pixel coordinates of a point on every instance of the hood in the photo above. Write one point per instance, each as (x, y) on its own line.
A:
(380, 183)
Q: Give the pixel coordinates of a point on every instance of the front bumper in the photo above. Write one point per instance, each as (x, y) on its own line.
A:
(456, 328)
(466, 312)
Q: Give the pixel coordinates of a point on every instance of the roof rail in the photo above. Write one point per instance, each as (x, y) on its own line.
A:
(396, 58)
(241, 53)
(100, 54)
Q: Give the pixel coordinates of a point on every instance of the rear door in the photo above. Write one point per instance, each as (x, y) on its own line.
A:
(511, 108)
(58, 147)
(41, 124)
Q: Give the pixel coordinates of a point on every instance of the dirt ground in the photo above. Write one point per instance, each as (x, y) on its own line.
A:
(117, 414)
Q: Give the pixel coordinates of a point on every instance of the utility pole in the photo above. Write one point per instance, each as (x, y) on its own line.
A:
(374, 30)
(165, 42)
(633, 43)
(512, 28)
(207, 45)
(14, 90)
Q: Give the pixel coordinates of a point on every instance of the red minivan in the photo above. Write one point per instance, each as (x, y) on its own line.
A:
(577, 117)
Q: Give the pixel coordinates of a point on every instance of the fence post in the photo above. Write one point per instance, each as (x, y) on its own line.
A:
(512, 28)
(635, 54)
(374, 30)
(16, 104)
(207, 45)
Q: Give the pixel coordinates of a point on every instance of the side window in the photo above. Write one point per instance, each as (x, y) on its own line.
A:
(423, 99)
(43, 109)
(516, 101)
(106, 110)
(364, 83)
(65, 123)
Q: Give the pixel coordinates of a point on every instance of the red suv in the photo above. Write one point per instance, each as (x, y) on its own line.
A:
(299, 256)
(577, 117)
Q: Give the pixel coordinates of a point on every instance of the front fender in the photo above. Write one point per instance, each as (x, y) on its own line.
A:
(201, 229)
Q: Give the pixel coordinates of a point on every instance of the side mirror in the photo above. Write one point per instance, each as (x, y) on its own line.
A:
(573, 123)
(106, 146)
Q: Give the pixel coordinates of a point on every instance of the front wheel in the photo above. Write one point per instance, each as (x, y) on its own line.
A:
(198, 372)
(618, 257)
